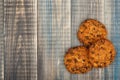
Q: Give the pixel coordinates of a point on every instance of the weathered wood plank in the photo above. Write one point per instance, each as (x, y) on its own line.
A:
(1, 41)
(115, 37)
(54, 38)
(35, 51)
(20, 38)
(108, 10)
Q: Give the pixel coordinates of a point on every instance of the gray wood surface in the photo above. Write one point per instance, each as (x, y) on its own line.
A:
(1, 42)
(35, 34)
(54, 38)
(20, 34)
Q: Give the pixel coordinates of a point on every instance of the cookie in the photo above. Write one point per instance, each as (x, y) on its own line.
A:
(102, 53)
(90, 31)
(76, 60)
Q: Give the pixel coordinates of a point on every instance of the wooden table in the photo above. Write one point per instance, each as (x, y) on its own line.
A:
(35, 34)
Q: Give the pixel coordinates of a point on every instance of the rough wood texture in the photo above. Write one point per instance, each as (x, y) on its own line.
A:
(54, 38)
(1, 41)
(20, 33)
(36, 34)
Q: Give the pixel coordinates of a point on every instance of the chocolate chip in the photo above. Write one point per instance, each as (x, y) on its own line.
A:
(104, 63)
(99, 66)
(96, 61)
(79, 55)
(93, 28)
(92, 52)
(89, 43)
(75, 60)
(110, 51)
(102, 48)
(69, 60)
(84, 60)
(111, 56)
(86, 37)
(91, 57)
(83, 70)
(84, 26)
(91, 33)
(73, 69)
(102, 41)
(89, 62)
(111, 61)
(72, 53)
(85, 67)
(94, 24)
(98, 35)
(81, 32)
(103, 26)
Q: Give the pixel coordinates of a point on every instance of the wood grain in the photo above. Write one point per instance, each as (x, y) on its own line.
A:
(20, 34)
(1, 41)
(108, 10)
(35, 34)
(54, 38)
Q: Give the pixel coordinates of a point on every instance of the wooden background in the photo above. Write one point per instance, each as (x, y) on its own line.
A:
(20, 54)
(35, 34)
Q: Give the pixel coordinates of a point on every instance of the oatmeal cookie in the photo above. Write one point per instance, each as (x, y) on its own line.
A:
(90, 31)
(102, 53)
(76, 60)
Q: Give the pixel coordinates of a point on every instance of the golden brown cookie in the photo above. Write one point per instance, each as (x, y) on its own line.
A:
(90, 31)
(76, 60)
(102, 53)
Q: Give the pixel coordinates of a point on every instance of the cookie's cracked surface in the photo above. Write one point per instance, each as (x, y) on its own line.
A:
(102, 53)
(90, 31)
(76, 60)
